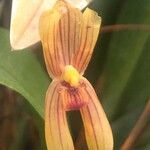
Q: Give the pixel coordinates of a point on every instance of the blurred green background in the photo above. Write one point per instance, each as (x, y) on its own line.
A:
(119, 71)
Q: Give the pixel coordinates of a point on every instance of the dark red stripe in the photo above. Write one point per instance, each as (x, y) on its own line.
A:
(68, 33)
(58, 119)
(82, 50)
(50, 105)
(50, 57)
(61, 43)
(87, 56)
(95, 108)
(55, 50)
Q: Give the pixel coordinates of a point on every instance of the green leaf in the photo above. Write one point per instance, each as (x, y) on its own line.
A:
(123, 125)
(21, 71)
(124, 58)
(109, 11)
(122, 63)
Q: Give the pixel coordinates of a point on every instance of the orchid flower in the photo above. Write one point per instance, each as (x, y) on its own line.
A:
(68, 37)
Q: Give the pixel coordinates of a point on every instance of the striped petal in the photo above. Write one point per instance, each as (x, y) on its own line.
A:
(68, 37)
(48, 23)
(56, 129)
(59, 31)
(97, 129)
(88, 37)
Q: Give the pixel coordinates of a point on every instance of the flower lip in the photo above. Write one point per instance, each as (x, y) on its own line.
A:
(73, 97)
(70, 89)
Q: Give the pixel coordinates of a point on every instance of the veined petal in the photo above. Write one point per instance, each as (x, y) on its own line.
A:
(25, 21)
(68, 32)
(56, 129)
(48, 25)
(88, 37)
(97, 129)
(59, 31)
(68, 37)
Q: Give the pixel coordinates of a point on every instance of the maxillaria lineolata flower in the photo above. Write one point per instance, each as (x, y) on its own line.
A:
(68, 38)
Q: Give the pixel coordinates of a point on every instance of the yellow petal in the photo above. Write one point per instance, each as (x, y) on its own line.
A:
(68, 37)
(56, 129)
(97, 129)
(25, 21)
(59, 31)
(68, 32)
(88, 37)
(48, 22)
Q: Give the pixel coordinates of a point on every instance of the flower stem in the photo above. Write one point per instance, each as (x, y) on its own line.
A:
(138, 130)
(120, 27)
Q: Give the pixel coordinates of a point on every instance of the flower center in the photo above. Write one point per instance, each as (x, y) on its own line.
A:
(71, 76)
